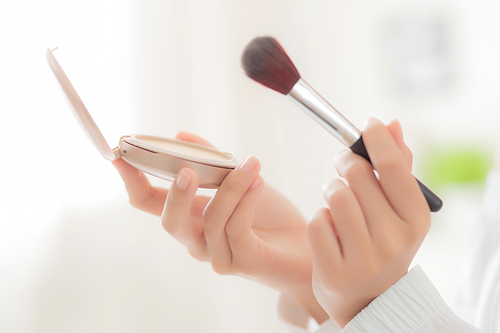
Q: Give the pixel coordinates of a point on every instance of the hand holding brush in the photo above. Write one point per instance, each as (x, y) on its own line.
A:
(364, 242)
(266, 62)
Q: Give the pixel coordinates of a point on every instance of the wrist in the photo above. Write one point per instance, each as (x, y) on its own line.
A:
(346, 306)
(347, 310)
(310, 304)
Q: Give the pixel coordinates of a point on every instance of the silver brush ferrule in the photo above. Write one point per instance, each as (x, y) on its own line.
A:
(317, 107)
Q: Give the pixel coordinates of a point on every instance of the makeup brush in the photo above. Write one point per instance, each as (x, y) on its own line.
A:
(265, 61)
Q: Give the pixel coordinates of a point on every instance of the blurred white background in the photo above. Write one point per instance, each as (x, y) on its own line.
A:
(75, 257)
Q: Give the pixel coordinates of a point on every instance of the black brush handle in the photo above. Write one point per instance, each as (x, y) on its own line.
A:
(434, 202)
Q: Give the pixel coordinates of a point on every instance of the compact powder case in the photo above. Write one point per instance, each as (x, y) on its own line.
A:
(160, 157)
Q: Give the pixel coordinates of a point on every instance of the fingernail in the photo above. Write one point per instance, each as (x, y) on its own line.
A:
(256, 182)
(182, 181)
(371, 121)
(398, 126)
(248, 165)
(332, 186)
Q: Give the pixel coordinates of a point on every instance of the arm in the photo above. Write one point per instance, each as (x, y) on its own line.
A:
(246, 229)
(364, 243)
(412, 305)
(368, 237)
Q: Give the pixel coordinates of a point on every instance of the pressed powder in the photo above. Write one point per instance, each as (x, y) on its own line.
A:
(182, 148)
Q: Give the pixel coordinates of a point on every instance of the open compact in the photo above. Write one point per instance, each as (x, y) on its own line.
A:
(160, 157)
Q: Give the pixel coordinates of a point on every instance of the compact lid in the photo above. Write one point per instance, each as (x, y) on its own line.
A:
(79, 110)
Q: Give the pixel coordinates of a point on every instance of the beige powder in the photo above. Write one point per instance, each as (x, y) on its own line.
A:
(184, 149)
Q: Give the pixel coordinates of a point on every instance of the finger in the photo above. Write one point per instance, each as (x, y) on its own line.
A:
(325, 247)
(220, 209)
(348, 218)
(396, 180)
(396, 131)
(140, 192)
(176, 217)
(189, 137)
(366, 188)
(242, 240)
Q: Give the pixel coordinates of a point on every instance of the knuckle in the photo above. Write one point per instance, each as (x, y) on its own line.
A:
(233, 182)
(389, 163)
(208, 227)
(340, 197)
(221, 268)
(235, 230)
(174, 199)
(357, 168)
(135, 203)
(178, 199)
(140, 202)
(319, 224)
(233, 235)
(198, 255)
(170, 228)
(209, 221)
(166, 226)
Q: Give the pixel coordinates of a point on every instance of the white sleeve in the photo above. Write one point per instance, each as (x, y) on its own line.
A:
(411, 305)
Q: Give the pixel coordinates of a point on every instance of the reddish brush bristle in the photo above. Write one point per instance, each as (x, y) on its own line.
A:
(266, 62)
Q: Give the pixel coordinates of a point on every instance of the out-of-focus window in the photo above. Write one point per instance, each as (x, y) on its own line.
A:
(46, 162)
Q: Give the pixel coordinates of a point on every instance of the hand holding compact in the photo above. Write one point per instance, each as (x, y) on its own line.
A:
(368, 237)
(246, 229)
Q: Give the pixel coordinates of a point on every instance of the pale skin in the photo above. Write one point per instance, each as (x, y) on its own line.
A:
(250, 229)
(365, 241)
(247, 228)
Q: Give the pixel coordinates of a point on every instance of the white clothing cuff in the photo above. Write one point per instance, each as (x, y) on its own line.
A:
(412, 304)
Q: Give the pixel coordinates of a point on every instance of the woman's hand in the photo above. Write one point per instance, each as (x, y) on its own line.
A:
(246, 229)
(367, 239)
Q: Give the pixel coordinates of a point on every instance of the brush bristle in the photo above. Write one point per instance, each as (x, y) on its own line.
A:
(265, 61)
